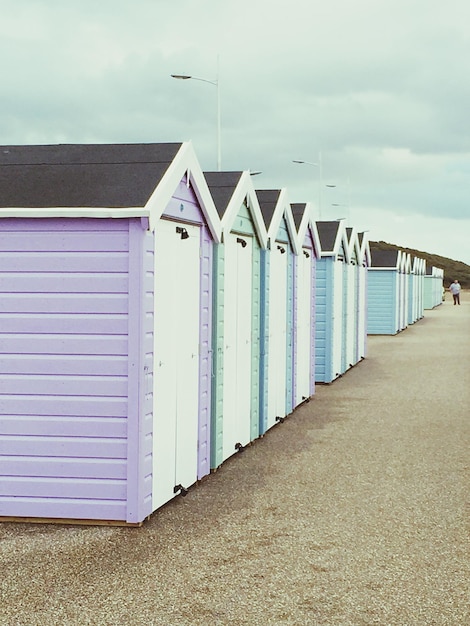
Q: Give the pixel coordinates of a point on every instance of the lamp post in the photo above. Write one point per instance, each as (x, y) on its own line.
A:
(318, 164)
(216, 84)
(348, 199)
(346, 206)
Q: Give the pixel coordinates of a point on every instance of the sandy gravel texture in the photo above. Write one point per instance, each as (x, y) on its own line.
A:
(352, 512)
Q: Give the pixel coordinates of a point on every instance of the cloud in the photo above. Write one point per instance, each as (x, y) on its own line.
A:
(378, 87)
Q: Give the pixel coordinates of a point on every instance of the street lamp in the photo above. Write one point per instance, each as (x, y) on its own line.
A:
(348, 199)
(318, 164)
(216, 84)
(343, 205)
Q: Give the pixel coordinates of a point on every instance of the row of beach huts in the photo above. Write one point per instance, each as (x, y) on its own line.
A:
(156, 319)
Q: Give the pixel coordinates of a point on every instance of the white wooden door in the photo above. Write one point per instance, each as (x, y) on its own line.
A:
(176, 375)
(237, 342)
(361, 313)
(277, 346)
(187, 344)
(352, 316)
(244, 339)
(304, 325)
(338, 312)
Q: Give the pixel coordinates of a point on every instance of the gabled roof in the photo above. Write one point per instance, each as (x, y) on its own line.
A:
(363, 239)
(99, 180)
(333, 236)
(82, 175)
(432, 270)
(303, 220)
(354, 246)
(385, 258)
(275, 206)
(229, 191)
(406, 262)
(299, 210)
(419, 265)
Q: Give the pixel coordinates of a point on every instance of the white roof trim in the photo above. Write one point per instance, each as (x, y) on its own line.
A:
(184, 163)
(283, 208)
(68, 212)
(341, 237)
(354, 245)
(308, 223)
(245, 190)
(365, 247)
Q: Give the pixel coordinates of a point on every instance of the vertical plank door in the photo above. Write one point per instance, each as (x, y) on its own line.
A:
(238, 343)
(304, 325)
(277, 347)
(176, 375)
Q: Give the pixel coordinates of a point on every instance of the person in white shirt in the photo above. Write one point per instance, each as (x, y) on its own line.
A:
(455, 291)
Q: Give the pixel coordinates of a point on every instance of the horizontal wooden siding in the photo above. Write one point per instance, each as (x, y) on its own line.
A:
(64, 367)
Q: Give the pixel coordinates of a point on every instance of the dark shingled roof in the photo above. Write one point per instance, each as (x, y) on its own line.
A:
(298, 210)
(222, 186)
(82, 175)
(327, 232)
(268, 199)
(383, 258)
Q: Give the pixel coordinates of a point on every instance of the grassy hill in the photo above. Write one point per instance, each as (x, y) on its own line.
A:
(452, 269)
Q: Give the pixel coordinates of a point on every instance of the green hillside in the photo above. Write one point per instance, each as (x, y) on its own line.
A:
(452, 269)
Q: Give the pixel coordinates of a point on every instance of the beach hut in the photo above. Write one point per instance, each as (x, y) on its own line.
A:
(415, 291)
(185, 234)
(105, 281)
(351, 300)
(237, 309)
(362, 271)
(304, 302)
(404, 287)
(433, 286)
(385, 292)
(330, 300)
(421, 269)
(277, 312)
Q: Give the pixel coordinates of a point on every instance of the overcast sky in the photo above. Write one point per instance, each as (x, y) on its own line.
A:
(379, 88)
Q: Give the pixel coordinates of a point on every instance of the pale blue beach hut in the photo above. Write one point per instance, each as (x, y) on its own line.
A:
(330, 299)
(385, 292)
(362, 274)
(433, 286)
(304, 302)
(277, 315)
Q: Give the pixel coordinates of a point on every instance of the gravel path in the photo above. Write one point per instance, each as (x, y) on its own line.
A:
(352, 512)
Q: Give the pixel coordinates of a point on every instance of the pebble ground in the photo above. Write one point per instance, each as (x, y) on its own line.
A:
(353, 512)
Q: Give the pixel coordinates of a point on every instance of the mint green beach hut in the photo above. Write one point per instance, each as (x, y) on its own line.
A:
(236, 314)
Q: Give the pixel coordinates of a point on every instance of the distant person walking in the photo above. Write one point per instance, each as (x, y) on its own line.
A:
(455, 291)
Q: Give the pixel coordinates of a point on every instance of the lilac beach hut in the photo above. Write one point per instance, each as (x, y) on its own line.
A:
(105, 282)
